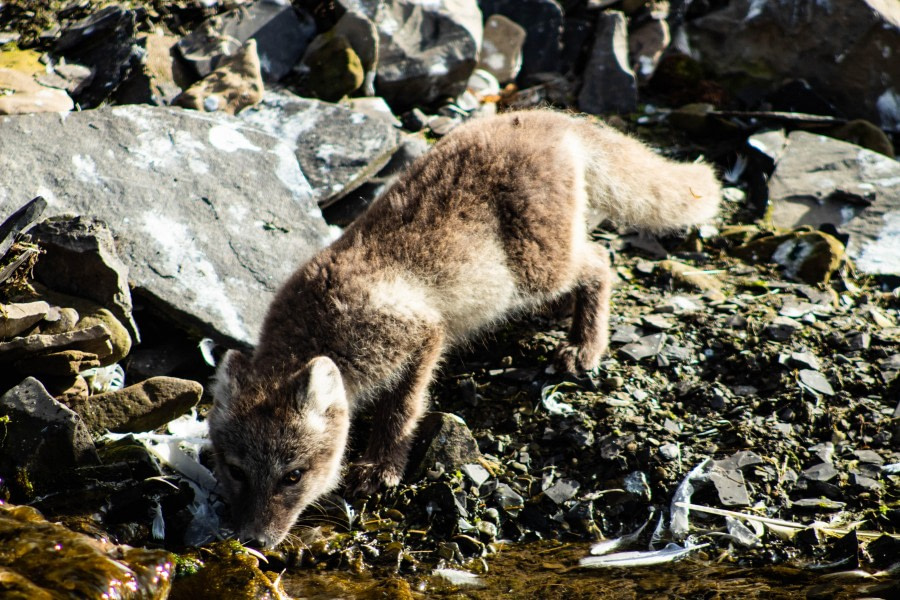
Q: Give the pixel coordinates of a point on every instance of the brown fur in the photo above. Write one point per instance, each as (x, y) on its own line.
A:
(494, 220)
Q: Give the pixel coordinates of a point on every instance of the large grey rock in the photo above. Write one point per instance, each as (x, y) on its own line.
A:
(426, 50)
(820, 180)
(41, 440)
(281, 31)
(609, 83)
(846, 49)
(543, 24)
(338, 149)
(80, 259)
(210, 213)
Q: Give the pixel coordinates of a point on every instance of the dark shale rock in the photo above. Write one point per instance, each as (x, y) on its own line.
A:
(542, 21)
(426, 50)
(20, 220)
(105, 42)
(609, 83)
(841, 47)
(282, 33)
(441, 438)
(41, 440)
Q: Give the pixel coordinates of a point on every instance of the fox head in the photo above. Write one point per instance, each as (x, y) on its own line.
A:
(278, 442)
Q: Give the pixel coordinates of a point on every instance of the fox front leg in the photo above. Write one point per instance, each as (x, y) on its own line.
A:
(397, 414)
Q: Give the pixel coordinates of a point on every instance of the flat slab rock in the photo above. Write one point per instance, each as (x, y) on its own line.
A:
(210, 213)
(819, 180)
(338, 149)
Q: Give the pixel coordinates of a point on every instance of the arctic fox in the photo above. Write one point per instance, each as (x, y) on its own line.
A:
(494, 220)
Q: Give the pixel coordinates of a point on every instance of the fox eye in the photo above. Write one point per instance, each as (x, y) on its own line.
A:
(237, 473)
(292, 477)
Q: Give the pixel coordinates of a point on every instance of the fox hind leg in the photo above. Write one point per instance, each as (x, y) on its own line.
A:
(589, 335)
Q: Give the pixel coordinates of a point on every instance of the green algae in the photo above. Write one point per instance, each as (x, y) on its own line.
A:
(39, 559)
(224, 570)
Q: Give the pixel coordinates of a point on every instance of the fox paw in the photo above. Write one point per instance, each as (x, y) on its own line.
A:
(577, 360)
(365, 478)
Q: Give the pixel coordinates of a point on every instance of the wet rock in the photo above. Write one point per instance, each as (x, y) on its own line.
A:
(884, 551)
(609, 83)
(159, 78)
(542, 21)
(105, 42)
(141, 407)
(233, 85)
(41, 559)
(334, 68)
(205, 208)
(16, 318)
(22, 94)
(337, 149)
(809, 256)
(441, 438)
(281, 31)
(501, 49)
(80, 259)
(426, 50)
(646, 45)
(770, 41)
(861, 195)
(815, 381)
(508, 499)
(42, 440)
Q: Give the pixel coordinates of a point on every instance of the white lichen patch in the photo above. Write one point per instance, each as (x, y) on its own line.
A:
(180, 258)
(883, 254)
(227, 138)
(86, 170)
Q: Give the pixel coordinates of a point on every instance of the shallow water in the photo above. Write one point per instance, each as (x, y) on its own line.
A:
(543, 571)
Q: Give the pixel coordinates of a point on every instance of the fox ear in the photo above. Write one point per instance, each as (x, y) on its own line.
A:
(324, 387)
(229, 378)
